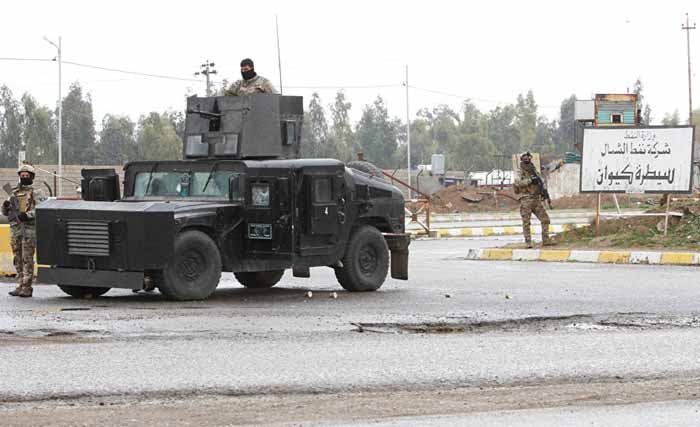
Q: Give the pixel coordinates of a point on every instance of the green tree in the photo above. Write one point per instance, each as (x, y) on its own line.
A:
(526, 120)
(564, 136)
(316, 129)
(341, 135)
(645, 108)
(473, 150)
(671, 119)
(11, 125)
(117, 144)
(378, 134)
(156, 138)
(79, 145)
(502, 132)
(39, 132)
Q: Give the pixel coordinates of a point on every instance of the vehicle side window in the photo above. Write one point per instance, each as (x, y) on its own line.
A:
(260, 194)
(323, 190)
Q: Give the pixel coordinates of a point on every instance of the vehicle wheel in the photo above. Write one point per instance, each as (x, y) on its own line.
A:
(366, 167)
(83, 291)
(366, 261)
(259, 279)
(194, 271)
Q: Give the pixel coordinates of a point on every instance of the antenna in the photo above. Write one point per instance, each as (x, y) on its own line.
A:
(279, 57)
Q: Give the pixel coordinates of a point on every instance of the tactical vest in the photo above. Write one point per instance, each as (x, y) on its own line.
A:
(24, 198)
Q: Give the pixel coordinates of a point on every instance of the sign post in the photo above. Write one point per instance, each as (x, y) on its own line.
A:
(637, 160)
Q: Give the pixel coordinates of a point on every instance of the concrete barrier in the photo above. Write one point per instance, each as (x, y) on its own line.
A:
(601, 257)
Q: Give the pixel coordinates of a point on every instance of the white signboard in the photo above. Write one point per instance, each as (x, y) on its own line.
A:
(637, 160)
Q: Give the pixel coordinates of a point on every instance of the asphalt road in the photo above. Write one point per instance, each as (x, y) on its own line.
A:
(461, 343)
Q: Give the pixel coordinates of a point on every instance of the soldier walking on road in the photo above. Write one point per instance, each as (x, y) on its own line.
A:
(531, 197)
(20, 210)
(251, 82)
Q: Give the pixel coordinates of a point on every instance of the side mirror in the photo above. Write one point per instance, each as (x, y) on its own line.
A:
(236, 187)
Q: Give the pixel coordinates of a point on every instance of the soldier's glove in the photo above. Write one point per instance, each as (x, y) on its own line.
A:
(535, 180)
(22, 216)
(6, 204)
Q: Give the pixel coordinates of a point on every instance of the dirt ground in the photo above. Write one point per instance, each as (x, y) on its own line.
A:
(294, 409)
(642, 232)
(463, 198)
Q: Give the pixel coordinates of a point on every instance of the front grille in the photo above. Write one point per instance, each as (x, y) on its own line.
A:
(90, 238)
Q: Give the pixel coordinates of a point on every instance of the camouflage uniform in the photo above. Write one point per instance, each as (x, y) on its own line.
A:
(23, 236)
(531, 202)
(257, 84)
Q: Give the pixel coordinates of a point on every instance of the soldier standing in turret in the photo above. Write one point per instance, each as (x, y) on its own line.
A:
(527, 185)
(20, 210)
(251, 82)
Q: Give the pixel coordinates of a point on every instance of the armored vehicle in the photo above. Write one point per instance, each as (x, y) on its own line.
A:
(241, 201)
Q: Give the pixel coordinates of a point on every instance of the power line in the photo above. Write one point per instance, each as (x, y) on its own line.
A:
(27, 59)
(136, 73)
(493, 101)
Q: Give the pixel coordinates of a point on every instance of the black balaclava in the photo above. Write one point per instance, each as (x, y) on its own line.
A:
(247, 75)
(26, 181)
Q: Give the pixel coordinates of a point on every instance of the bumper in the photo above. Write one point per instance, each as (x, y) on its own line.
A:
(398, 245)
(96, 278)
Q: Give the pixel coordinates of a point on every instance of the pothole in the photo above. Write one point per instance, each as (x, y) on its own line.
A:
(583, 322)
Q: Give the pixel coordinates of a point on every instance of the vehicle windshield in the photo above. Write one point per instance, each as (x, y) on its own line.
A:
(182, 184)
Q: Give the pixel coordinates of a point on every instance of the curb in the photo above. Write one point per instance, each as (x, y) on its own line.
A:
(598, 257)
(494, 231)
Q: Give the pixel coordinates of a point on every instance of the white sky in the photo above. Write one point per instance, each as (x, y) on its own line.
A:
(488, 51)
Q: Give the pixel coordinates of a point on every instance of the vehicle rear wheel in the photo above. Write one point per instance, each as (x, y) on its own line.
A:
(83, 291)
(259, 279)
(194, 271)
(366, 261)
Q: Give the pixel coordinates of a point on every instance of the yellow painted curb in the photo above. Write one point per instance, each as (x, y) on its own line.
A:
(683, 258)
(610, 257)
(498, 254)
(556, 256)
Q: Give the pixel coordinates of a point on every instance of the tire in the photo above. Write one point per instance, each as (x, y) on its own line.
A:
(366, 261)
(259, 279)
(366, 167)
(194, 271)
(83, 292)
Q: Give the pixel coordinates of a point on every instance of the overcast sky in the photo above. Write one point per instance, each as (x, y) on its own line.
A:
(488, 51)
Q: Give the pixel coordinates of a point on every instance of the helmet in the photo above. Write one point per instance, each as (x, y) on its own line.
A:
(527, 153)
(26, 168)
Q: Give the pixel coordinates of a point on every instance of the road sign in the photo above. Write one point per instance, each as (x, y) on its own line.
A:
(654, 159)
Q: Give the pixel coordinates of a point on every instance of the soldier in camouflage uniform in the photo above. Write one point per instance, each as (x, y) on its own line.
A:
(251, 82)
(21, 208)
(531, 199)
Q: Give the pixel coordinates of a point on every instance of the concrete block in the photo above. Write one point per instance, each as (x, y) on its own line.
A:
(526, 254)
(678, 258)
(498, 254)
(614, 257)
(474, 254)
(584, 256)
(645, 258)
(554, 255)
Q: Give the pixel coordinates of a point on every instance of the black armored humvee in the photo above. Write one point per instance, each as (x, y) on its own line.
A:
(241, 201)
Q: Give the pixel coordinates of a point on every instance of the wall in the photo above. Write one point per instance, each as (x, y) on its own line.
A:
(564, 181)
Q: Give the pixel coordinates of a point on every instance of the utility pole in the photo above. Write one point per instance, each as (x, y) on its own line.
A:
(687, 29)
(408, 135)
(207, 69)
(60, 116)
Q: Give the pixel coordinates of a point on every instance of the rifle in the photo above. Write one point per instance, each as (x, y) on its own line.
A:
(543, 191)
(12, 216)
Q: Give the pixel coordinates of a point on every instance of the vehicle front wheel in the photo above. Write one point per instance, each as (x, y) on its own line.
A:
(259, 279)
(194, 271)
(366, 261)
(83, 291)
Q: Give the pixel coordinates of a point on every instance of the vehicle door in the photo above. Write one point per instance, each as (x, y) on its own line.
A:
(268, 216)
(323, 209)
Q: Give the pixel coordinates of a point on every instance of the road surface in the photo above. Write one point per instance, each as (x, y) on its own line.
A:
(460, 343)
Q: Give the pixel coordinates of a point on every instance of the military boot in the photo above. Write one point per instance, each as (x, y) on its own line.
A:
(20, 293)
(528, 244)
